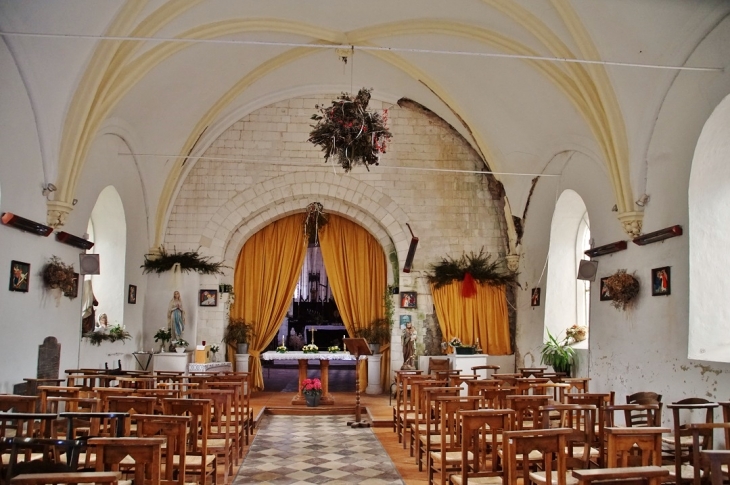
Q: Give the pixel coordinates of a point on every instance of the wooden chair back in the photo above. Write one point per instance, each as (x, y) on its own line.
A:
(716, 459)
(702, 440)
(644, 475)
(482, 431)
(18, 404)
(639, 446)
(174, 429)
(49, 456)
(146, 453)
(601, 401)
(448, 457)
(643, 397)
(131, 404)
(580, 419)
(528, 414)
(550, 443)
(496, 398)
(483, 371)
(199, 411)
(423, 439)
(692, 408)
(56, 391)
(635, 415)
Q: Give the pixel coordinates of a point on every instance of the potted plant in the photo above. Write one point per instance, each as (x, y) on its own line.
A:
(214, 349)
(239, 333)
(377, 334)
(557, 353)
(312, 391)
(180, 345)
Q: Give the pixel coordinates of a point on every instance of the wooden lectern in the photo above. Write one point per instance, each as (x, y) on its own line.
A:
(357, 347)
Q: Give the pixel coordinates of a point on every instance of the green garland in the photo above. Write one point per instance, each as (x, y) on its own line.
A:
(189, 261)
(349, 133)
(478, 265)
(116, 333)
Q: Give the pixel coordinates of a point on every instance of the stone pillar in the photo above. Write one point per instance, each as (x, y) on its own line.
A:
(242, 362)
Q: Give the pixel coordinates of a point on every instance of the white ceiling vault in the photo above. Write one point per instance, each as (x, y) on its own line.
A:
(171, 72)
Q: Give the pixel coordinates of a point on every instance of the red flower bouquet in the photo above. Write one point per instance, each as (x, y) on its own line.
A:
(312, 387)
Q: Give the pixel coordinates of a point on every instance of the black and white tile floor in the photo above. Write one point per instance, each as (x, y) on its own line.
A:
(300, 450)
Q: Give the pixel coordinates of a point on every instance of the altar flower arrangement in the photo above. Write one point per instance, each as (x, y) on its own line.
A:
(310, 349)
(181, 343)
(215, 348)
(334, 348)
(281, 349)
(455, 342)
(118, 332)
(312, 387)
(163, 335)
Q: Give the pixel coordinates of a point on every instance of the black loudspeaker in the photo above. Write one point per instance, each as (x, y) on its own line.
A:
(587, 270)
(411, 251)
(89, 264)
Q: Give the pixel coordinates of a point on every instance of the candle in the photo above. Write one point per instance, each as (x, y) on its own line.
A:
(282, 340)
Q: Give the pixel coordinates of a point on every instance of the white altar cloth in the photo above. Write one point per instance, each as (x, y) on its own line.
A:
(299, 355)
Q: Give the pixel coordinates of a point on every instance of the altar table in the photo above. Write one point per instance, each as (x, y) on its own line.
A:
(324, 362)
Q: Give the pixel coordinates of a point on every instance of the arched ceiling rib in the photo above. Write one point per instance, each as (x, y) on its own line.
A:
(113, 71)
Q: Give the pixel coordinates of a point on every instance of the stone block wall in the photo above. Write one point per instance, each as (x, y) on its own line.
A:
(262, 168)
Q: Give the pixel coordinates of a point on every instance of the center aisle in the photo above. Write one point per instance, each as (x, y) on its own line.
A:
(315, 450)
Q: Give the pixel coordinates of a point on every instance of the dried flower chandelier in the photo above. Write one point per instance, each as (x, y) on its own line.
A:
(349, 133)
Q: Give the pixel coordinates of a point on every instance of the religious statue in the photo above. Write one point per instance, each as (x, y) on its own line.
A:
(408, 339)
(176, 316)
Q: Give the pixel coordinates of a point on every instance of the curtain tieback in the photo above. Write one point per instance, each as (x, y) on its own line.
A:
(255, 353)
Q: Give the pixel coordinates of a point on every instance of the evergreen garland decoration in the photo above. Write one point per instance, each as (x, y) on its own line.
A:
(479, 266)
(189, 261)
(116, 332)
(349, 133)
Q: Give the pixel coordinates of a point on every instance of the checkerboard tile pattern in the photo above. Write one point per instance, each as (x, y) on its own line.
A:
(300, 450)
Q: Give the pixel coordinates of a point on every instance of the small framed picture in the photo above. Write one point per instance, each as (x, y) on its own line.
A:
(404, 320)
(208, 298)
(74, 287)
(605, 295)
(132, 295)
(19, 275)
(409, 299)
(535, 297)
(661, 281)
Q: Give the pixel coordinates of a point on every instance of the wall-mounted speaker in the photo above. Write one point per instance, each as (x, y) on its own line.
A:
(587, 270)
(89, 264)
(411, 251)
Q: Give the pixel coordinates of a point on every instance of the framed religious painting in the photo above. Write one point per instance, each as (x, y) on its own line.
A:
(208, 298)
(132, 295)
(19, 275)
(408, 299)
(661, 281)
(605, 295)
(404, 320)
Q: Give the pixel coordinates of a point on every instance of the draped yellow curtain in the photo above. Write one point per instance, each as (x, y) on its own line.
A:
(267, 271)
(483, 316)
(355, 264)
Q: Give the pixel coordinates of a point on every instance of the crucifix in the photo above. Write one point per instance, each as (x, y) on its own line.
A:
(311, 341)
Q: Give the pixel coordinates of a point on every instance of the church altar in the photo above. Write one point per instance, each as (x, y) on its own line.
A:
(303, 358)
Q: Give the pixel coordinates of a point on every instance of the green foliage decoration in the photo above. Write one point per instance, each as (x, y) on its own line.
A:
(479, 266)
(189, 261)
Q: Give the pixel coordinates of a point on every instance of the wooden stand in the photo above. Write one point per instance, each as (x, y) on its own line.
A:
(357, 347)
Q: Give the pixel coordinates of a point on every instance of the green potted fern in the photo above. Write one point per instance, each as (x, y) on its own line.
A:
(557, 353)
(238, 333)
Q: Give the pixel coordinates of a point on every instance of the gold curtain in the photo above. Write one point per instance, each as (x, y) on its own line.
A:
(267, 271)
(483, 316)
(355, 264)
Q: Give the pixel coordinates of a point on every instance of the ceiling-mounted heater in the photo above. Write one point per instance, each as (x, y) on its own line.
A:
(411, 251)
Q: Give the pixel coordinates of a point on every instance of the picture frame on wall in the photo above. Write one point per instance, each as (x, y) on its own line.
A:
(604, 293)
(535, 297)
(404, 320)
(409, 299)
(19, 276)
(132, 295)
(661, 281)
(74, 287)
(208, 298)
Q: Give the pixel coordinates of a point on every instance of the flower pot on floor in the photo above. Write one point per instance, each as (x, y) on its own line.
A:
(312, 400)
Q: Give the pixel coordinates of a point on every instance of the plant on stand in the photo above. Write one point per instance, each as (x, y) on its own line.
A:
(238, 333)
(558, 354)
(312, 391)
(163, 336)
(180, 345)
(377, 334)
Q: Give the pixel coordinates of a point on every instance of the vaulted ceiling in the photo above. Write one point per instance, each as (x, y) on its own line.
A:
(168, 73)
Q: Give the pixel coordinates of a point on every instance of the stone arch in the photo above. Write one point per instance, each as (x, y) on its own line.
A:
(243, 215)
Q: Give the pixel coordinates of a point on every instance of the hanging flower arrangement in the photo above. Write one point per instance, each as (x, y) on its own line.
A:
(623, 288)
(189, 261)
(313, 220)
(349, 133)
(471, 269)
(57, 274)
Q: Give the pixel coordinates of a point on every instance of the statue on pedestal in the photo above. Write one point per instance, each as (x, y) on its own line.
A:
(408, 339)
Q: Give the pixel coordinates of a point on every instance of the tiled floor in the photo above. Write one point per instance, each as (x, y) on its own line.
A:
(299, 450)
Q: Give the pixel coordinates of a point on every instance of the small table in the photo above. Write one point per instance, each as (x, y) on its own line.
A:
(324, 362)
(146, 358)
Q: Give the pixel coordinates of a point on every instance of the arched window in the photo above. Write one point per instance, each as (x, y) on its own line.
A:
(709, 260)
(567, 299)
